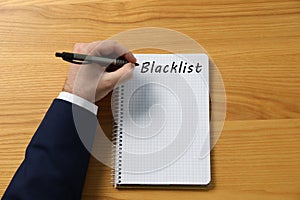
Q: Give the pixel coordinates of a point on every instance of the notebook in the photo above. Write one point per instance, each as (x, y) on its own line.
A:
(161, 123)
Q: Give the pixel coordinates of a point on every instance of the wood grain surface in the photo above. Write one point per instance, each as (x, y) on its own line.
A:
(255, 45)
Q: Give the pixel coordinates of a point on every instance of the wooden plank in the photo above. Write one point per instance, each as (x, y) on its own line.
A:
(255, 45)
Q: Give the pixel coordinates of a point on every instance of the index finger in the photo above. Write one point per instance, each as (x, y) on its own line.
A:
(112, 48)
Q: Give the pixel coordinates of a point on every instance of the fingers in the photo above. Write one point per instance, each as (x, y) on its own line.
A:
(129, 56)
(110, 47)
(105, 48)
(84, 48)
(121, 75)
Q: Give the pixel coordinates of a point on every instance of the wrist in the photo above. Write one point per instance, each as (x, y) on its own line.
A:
(80, 93)
(67, 88)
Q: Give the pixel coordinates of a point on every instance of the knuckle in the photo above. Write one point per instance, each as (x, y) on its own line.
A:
(81, 47)
(77, 47)
(113, 42)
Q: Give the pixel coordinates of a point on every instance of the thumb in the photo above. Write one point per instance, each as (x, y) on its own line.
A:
(122, 74)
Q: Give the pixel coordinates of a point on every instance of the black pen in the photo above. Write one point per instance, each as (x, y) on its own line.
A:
(82, 59)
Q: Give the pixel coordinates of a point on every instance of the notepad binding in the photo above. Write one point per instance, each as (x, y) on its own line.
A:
(117, 135)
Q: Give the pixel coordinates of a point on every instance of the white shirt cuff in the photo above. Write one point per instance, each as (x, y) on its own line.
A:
(72, 98)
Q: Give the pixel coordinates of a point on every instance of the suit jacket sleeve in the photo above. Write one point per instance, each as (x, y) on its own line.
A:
(56, 159)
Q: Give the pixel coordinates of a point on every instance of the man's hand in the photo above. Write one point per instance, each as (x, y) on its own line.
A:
(92, 82)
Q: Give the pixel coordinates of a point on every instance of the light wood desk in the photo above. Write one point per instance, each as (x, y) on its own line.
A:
(256, 45)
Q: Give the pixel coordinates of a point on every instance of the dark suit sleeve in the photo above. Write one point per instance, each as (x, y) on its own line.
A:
(56, 160)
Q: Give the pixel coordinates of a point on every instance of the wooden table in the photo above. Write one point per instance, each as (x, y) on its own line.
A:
(256, 45)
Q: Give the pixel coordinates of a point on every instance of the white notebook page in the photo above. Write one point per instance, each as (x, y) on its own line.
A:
(165, 122)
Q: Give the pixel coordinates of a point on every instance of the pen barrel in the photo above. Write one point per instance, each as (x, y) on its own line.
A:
(87, 59)
(120, 62)
(81, 57)
(105, 61)
(100, 60)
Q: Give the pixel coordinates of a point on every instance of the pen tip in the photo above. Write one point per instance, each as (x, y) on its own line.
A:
(136, 64)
